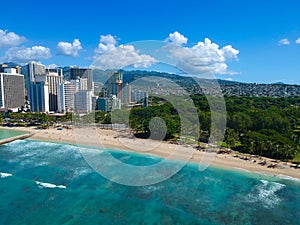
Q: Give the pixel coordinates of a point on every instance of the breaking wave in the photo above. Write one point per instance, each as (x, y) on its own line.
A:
(266, 193)
(49, 185)
(4, 175)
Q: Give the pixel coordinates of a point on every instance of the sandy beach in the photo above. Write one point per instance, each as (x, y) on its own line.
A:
(101, 138)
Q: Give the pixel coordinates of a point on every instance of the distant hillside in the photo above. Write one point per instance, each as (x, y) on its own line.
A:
(230, 88)
(101, 76)
(11, 64)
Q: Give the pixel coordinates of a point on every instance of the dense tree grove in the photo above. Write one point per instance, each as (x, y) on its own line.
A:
(258, 125)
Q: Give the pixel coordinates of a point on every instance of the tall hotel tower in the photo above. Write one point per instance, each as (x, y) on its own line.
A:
(12, 90)
(42, 85)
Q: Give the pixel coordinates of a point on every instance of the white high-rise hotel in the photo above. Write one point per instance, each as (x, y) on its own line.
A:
(74, 96)
(67, 91)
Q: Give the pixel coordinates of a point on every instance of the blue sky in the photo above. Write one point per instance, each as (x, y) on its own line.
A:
(262, 34)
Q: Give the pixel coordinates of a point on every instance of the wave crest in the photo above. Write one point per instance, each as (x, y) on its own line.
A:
(49, 185)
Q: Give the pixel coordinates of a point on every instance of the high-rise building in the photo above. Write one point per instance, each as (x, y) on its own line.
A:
(53, 80)
(114, 84)
(126, 94)
(61, 98)
(40, 96)
(67, 91)
(83, 101)
(83, 84)
(108, 104)
(31, 70)
(140, 96)
(12, 90)
(2, 67)
(103, 104)
(59, 71)
(10, 65)
(75, 73)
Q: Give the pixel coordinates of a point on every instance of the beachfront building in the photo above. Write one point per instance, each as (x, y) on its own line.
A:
(40, 96)
(83, 101)
(66, 95)
(53, 80)
(12, 90)
(67, 91)
(31, 70)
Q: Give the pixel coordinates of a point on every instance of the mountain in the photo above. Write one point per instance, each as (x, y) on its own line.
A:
(11, 64)
(191, 84)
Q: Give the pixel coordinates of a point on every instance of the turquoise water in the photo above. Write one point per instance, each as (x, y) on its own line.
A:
(48, 183)
(4, 133)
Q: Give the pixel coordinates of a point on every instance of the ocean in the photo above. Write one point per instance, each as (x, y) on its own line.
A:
(50, 183)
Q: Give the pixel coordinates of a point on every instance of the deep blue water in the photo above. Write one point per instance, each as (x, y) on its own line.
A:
(78, 195)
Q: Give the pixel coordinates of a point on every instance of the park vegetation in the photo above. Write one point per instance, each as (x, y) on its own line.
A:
(262, 126)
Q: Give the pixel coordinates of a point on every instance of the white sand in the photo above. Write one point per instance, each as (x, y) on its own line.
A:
(109, 139)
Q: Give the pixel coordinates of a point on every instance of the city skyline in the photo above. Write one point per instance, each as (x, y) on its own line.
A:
(253, 41)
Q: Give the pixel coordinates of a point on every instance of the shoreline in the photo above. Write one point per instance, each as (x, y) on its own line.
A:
(109, 139)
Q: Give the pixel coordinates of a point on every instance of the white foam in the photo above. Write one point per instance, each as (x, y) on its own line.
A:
(265, 192)
(81, 171)
(151, 188)
(4, 175)
(49, 185)
(288, 177)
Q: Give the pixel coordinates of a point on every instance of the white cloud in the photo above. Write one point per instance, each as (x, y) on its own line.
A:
(177, 38)
(22, 54)
(204, 57)
(284, 41)
(110, 55)
(69, 49)
(298, 41)
(52, 66)
(229, 79)
(10, 39)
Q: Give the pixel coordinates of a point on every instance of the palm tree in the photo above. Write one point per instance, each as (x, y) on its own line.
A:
(262, 147)
(277, 151)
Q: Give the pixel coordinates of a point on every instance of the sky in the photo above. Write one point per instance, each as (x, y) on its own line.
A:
(248, 41)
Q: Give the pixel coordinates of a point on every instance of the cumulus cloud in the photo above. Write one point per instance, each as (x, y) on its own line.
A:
(10, 39)
(204, 57)
(298, 41)
(69, 49)
(23, 55)
(52, 66)
(110, 55)
(284, 41)
(177, 38)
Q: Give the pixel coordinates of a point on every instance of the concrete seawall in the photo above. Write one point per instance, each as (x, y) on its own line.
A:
(19, 137)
